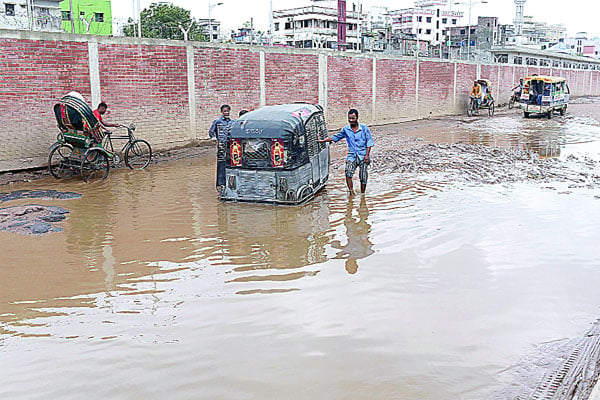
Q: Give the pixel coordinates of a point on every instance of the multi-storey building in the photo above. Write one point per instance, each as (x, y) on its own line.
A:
(429, 20)
(211, 28)
(487, 33)
(315, 26)
(41, 15)
(579, 45)
(87, 16)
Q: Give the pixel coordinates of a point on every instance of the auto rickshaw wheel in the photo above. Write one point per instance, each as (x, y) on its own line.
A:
(563, 110)
(491, 109)
(95, 165)
(526, 114)
(138, 154)
(58, 161)
(549, 115)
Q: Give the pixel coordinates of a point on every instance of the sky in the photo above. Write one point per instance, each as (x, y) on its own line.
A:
(576, 15)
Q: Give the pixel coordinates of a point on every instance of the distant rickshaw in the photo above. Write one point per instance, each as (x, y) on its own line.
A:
(544, 95)
(487, 100)
(274, 156)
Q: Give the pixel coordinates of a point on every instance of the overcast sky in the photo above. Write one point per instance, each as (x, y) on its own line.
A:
(576, 15)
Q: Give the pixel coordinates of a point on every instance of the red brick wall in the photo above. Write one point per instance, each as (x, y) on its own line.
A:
(291, 77)
(436, 88)
(350, 85)
(33, 74)
(395, 92)
(465, 75)
(146, 81)
(146, 85)
(224, 76)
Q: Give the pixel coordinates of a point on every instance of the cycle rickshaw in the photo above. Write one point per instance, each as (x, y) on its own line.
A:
(83, 146)
(487, 102)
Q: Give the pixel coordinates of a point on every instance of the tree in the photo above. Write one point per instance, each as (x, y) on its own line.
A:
(166, 21)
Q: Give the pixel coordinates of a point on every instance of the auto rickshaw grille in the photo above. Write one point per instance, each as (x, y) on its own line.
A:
(257, 149)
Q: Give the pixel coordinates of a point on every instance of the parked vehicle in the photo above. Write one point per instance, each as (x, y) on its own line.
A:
(274, 155)
(487, 101)
(544, 95)
(83, 147)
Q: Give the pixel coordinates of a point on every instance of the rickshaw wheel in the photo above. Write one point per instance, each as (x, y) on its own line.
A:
(138, 154)
(470, 108)
(58, 161)
(491, 109)
(95, 165)
(511, 102)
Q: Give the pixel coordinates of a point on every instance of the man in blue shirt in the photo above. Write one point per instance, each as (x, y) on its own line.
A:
(359, 140)
(220, 130)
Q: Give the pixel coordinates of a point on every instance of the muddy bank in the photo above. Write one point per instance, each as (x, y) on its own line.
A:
(486, 165)
(557, 370)
(32, 219)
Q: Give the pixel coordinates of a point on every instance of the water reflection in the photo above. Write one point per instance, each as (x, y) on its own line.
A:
(358, 230)
(261, 241)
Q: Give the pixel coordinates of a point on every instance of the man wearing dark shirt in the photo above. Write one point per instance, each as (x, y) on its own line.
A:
(220, 130)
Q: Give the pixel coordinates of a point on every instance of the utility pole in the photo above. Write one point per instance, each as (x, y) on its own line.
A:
(271, 26)
(71, 16)
(139, 19)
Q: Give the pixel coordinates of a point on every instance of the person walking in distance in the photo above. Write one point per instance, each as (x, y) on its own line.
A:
(359, 140)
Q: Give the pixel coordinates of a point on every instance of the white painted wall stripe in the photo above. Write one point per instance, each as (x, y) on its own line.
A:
(191, 81)
(94, 66)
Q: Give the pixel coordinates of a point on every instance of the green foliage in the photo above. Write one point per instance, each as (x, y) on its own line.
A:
(163, 21)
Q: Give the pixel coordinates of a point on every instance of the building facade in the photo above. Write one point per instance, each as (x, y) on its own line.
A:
(429, 20)
(41, 15)
(211, 28)
(87, 17)
(315, 27)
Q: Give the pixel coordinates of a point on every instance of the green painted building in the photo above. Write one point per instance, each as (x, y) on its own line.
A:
(89, 16)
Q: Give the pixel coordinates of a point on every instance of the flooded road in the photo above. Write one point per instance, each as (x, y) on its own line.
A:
(428, 287)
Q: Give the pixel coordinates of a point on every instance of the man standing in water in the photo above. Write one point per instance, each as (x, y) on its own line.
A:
(220, 130)
(359, 140)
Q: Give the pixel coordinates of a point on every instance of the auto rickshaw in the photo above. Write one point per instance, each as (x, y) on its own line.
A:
(544, 95)
(487, 101)
(274, 156)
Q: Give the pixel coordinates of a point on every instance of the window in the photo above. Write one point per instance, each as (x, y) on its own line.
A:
(518, 60)
(428, 31)
(420, 31)
(444, 20)
(463, 31)
(276, 26)
(66, 15)
(288, 25)
(453, 21)
(419, 19)
(472, 31)
(214, 27)
(99, 17)
(9, 9)
(429, 19)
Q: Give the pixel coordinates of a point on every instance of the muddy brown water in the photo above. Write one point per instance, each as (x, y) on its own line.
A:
(425, 288)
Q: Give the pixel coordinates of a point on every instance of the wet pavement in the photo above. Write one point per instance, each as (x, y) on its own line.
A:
(443, 281)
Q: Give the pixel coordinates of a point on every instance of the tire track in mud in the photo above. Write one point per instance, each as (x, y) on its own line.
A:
(560, 370)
